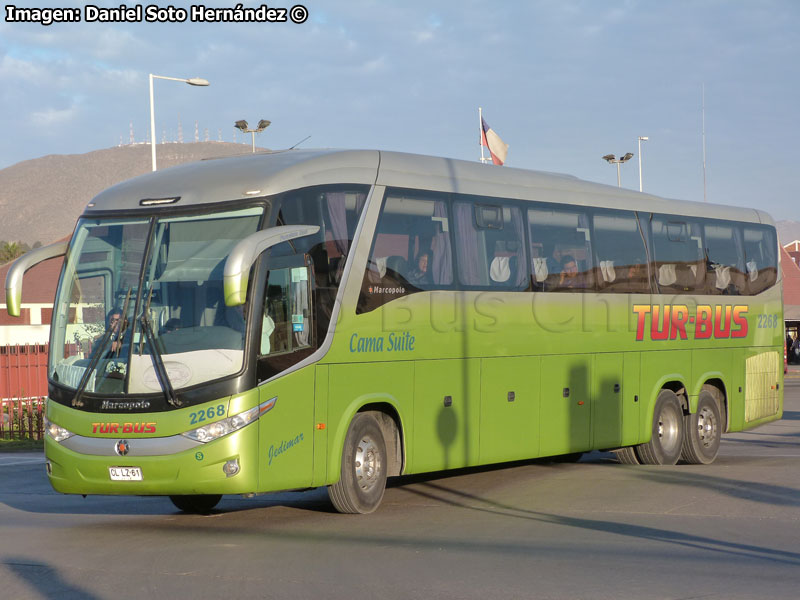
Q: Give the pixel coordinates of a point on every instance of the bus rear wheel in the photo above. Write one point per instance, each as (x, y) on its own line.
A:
(664, 447)
(200, 504)
(364, 461)
(702, 431)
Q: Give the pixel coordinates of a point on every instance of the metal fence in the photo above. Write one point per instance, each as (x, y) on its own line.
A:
(23, 386)
(22, 419)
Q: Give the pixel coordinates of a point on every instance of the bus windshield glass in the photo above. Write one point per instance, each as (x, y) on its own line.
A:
(132, 284)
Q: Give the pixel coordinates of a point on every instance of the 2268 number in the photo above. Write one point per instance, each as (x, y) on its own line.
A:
(207, 414)
(768, 321)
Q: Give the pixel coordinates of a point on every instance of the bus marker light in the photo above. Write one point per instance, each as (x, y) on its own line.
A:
(580, 403)
(320, 426)
(231, 467)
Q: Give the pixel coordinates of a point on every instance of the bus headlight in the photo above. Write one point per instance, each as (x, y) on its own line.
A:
(58, 433)
(218, 429)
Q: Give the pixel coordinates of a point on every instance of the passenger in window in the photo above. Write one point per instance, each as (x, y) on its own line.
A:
(571, 277)
(420, 274)
(554, 260)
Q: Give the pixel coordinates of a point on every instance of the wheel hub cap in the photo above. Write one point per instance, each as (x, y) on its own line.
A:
(368, 463)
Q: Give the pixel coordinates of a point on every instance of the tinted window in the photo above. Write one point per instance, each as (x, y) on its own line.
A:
(620, 253)
(490, 244)
(724, 251)
(336, 210)
(411, 251)
(677, 254)
(561, 253)
(760, 249)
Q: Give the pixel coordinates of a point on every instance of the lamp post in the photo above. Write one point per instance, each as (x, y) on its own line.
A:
(241, 125)
(642, 138)
(613, 160)
(193, 81)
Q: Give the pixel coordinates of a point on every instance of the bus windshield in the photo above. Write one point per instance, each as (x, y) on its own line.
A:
(140, 306)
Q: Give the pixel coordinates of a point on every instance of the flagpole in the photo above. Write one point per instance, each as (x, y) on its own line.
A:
(480, 129)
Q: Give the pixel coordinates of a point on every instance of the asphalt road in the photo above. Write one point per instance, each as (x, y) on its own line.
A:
(595, 529)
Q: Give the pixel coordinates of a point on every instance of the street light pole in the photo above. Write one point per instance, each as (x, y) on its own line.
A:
(642, 138)
(241, 125)
(193, 81)
(613, 160)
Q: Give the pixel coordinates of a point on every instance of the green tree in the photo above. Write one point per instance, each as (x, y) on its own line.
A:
(9, 251)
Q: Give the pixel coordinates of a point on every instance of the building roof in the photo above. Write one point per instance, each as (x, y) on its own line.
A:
(791, 287)
(39, 284)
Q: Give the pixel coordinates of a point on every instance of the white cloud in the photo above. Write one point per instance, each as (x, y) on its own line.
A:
(19, 69)
(51, 117)
(375, 65)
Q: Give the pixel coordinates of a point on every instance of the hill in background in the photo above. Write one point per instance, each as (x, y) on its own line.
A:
(41, 199)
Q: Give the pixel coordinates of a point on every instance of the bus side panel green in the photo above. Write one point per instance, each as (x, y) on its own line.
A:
(353, 386)
(446, 414)
(607, 397)
(658, 369)
(736, 393)
(631, 399)
(286, 433)
(565, 406)
(509, 419)
(320, 426)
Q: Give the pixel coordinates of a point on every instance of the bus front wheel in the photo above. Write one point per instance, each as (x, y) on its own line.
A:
(200, 504)
(664, 447)
(363, 478)
(702, 432)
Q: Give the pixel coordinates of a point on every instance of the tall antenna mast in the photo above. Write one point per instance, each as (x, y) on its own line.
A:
(703, 88)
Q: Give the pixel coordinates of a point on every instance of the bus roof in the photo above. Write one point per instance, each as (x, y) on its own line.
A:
(268, 173)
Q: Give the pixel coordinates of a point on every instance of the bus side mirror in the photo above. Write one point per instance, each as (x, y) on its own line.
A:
(22, 264)
(245, 253)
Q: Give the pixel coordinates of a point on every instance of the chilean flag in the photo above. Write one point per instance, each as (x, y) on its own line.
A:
(497, 147)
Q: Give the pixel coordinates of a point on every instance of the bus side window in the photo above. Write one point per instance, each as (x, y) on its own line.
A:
(679, 263)
(411, 251)
(760, 249)
(724, 250)
(562, 239)
(490, 244)
(620, 253)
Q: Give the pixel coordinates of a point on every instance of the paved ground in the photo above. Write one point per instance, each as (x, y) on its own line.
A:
(595, 529)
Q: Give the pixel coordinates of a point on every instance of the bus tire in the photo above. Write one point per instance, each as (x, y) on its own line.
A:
(364, 462)
(200, 504)
(702, 431)
(627, 456)
(664, 447)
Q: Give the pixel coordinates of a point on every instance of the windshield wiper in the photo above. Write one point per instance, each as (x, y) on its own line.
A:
(158, 361)
(101, 349)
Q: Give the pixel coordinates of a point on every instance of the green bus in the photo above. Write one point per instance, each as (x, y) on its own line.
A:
(299, 319)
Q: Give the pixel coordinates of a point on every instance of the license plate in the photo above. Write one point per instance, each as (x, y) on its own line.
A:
(125, 473)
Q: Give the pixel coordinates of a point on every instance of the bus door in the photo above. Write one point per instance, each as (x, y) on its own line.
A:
(285, 335)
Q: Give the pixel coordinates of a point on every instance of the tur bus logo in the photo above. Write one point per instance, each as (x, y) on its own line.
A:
(668, 322)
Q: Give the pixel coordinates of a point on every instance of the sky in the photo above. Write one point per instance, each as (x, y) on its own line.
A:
(562, 82)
